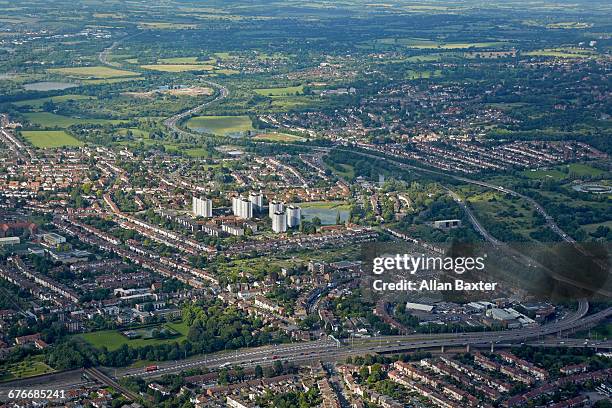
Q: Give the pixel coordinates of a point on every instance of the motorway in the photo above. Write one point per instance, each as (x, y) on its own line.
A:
(549, 335)
(171, 122)
(326, 349)
(549, 220)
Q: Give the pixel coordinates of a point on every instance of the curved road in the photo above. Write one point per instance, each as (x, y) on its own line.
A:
(171, 122)
(331, 350)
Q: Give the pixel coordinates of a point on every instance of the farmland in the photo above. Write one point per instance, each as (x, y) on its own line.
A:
(220, 125)
(289, 90)
(50, 138)
(99, 72)
(52, 120)
(278, 137)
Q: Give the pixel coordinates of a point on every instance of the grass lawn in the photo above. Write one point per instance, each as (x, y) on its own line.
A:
(288, 90)
(544, 174)
(29, 367)
(178, 67)
(51, 120)
(167, 26)
(37, 103)
(561, 53)
(278, 137)
(113, 339)
(344, 170)
(50, 138)
(556, 173)
(98, 72)
(582, 170)
(111, 80)
(183, 60)
(197, 153)
(423, 43)
(220, 125)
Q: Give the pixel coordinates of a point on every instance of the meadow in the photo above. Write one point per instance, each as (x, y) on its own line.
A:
(278, 137)
(50, 138)
(565, 52)
(52, 120)
(96, 72)
(220, 125)
(283, 91)
(178, 67)
(37, 103)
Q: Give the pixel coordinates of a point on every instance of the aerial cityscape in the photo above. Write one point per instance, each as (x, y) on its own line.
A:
(283, 204)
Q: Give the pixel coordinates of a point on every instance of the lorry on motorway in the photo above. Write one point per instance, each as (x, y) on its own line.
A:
(150, 368)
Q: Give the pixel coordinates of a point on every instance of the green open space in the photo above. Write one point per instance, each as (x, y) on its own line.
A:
(424, 43)
(28, 367)
(220, 125)
(541, 174)
(52, 120)
(37, 103)
(278, 137)
(558, 173)
(565, 52)
(344, 170)
(113, 339)
(50, 138)
(581, 170)
(178, 67)
(96, 72)
(283, 91)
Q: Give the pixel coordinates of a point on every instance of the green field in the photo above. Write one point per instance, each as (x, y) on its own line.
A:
(278, 137)
(37, 103)
(178, 67)
(51, 120)
(50, 138)
(544, 174)
(347, 172)
(582, 170)
(220, 125)
(183, 60)
(288, 90)
(97, 72)
(556, 173)
(426, 44)
(29, 367)
(113, 339)
(561, 53)
(111, 80)
(197, 153)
